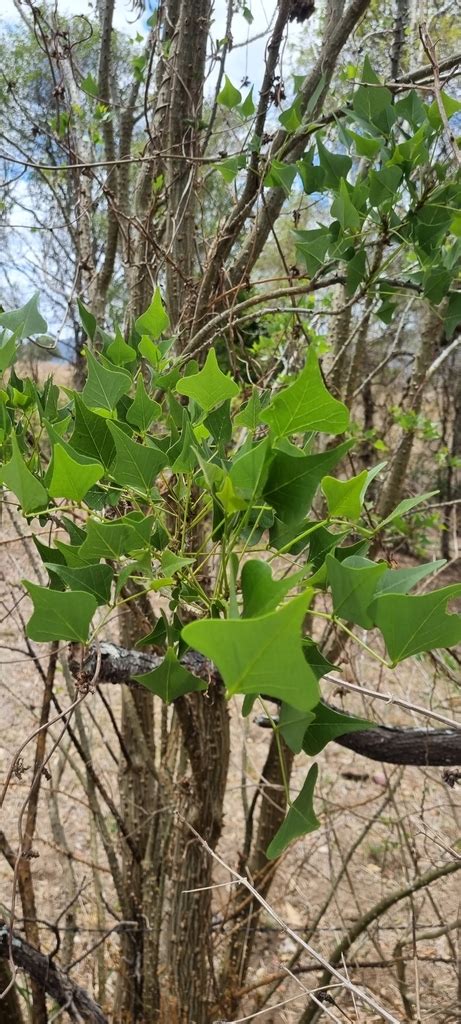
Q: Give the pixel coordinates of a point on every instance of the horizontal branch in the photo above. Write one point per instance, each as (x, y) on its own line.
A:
(430, 747)
(41, 969)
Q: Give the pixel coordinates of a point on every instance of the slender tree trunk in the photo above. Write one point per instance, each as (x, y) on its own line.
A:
(432, 334)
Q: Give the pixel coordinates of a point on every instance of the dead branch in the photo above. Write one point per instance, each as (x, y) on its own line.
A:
(71, 997)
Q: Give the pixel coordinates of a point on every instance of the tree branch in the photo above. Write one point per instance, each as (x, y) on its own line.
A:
(430, 747)
(51, 979)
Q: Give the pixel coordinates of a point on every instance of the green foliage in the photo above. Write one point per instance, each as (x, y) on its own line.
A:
(210, 386)
(155, 320)
(306, 405)
(58, 616)
(170, 680)
(260, 655)
(155, 450)
(300, 820)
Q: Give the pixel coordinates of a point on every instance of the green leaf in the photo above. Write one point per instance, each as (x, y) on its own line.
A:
(281, 175)
(171, 680)
(293, 481)
(119, 352)
(312, 175)
(411, 109)
(172, 563)
(453, 314)
(451, 106)
(249, 416)
(155, 320)
(328, 725)
(404, 506)
(59, 616)
(384, 185)
(210, 386)
(88, 320)
(8, 349)
(365, 145)
(89, 85)
(292, 724)
(321, 542)
(345, 497)
(91, 579)
(247, 108)
(248, 471)
(136, 465)
(291, 118)
(300, 820)
(229, 96)
(353, 584)
(140, 530)
(219, 423)
(261, 655)
(26, 320)
(261, 593)
(230, 167)
(150, 351)
(306, 405)
(104, 387)
(355, 271)
(371, 102)
(71, 474)
(105, 540)
(30, 493)
(185, 460)
(335, 166)
(414, 624)
(229, 499)
(312, 247)
(143, 410)
(344, 210)
(400, 581)
(436, 282)
(91, 436)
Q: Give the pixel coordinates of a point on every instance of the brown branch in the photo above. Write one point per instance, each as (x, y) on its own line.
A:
(373, 914)
(428, 747)
(44, 973)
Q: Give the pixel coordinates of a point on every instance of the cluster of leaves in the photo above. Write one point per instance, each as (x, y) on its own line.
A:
(387, 178)
(160, 468)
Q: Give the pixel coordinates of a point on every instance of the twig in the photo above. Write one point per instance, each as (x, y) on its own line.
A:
(429, 49)
(368, 1000)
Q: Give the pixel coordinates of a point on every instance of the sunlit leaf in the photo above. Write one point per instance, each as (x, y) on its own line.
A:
(104, 387)
(229, 96)
(25, 320)
(155, 320)
(260, 655)
(210, 386)
(306, 405)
